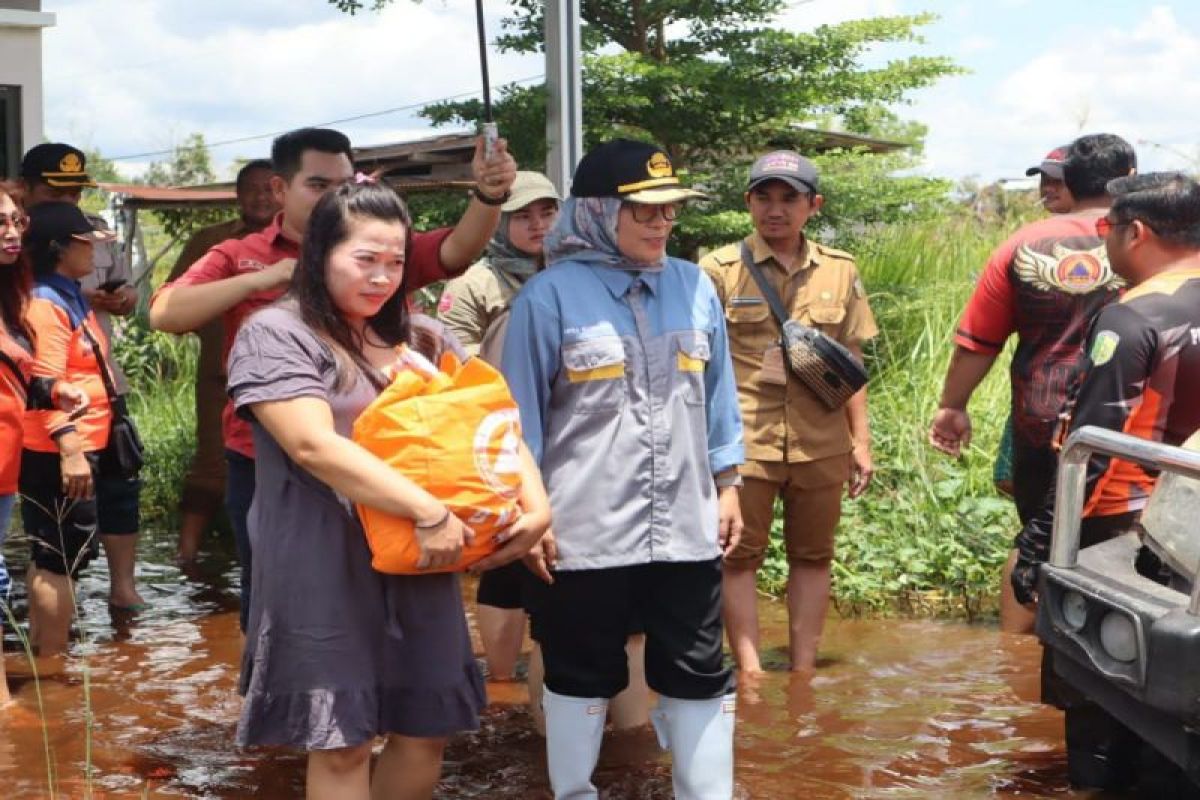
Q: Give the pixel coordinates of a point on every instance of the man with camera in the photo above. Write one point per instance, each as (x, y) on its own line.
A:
(802, 444)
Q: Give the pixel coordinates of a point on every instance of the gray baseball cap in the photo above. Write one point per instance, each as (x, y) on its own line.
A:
(1052, 164)
(784, 165)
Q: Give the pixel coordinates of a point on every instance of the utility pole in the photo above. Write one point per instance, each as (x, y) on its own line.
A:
(564, 92)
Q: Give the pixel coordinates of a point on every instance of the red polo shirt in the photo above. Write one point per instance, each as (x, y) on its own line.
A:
(269, 246)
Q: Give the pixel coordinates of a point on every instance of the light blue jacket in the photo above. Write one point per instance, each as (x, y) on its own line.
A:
(629, 404)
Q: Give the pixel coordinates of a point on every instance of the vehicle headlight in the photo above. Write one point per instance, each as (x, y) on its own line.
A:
(1118, 636)
(1074, 610)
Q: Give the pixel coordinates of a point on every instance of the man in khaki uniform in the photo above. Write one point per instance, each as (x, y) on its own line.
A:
(204, 485)
(796, 448)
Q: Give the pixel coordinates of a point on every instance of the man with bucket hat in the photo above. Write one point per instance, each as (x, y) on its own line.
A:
(618, 358)
(798, 448)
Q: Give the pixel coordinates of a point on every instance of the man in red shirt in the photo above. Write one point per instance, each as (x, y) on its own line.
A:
(204, 483)
(1045, 283)
(239, 276)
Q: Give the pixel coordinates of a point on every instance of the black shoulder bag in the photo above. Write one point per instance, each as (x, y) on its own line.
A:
(124, 455)
(821, 363)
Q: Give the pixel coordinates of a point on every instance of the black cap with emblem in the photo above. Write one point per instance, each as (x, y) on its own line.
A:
(58, 222)
(56, 164)
(635, 171)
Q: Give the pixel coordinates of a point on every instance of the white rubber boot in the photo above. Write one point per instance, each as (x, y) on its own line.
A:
(699, 734)
(574, 731)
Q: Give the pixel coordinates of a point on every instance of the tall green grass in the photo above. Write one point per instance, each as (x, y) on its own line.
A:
(931, 533)
(162, 372)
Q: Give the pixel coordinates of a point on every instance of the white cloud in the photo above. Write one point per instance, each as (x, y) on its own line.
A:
(145, 78)
(1136, 82)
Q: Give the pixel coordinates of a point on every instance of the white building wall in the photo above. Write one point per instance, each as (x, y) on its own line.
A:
(21, 64)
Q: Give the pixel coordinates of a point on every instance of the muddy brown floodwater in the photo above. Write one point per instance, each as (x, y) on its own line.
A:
(898, 709)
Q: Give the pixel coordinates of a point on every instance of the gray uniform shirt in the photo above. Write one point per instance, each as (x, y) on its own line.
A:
(629, 404)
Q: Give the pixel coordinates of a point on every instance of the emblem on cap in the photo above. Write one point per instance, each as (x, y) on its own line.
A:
(70, 163)
(780, 162)
(659, 166)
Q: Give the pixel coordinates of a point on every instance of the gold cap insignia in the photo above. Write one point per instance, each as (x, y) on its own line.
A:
(659, 166)
(70, 163)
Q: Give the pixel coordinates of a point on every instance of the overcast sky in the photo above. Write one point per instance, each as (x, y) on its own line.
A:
(132, 77)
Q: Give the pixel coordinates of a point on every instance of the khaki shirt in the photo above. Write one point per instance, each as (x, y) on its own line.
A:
(821, 289)
(474, 306)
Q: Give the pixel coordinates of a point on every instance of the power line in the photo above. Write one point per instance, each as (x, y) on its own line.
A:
(355, 118)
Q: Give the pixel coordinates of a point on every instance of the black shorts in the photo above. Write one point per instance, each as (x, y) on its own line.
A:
(1033, 472)
(504, 587)
(62, 533)
(583, 619)
(118, 503)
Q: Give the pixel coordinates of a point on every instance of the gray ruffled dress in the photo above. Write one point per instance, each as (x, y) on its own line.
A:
(336, 653)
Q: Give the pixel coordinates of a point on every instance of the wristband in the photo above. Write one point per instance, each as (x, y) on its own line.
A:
(729, 481)
(491, 201)
(430, 525)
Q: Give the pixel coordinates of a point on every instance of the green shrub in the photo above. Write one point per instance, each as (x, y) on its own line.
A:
(162, 371)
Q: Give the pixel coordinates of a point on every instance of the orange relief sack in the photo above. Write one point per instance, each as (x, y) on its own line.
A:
(455, 433)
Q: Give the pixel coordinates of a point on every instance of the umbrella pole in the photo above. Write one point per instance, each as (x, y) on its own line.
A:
(490, 133)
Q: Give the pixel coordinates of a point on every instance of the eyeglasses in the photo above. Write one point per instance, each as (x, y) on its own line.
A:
(644, 213)
(15, 219)
(1104, 226)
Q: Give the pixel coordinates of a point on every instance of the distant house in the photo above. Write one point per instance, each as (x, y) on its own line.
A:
(21, 23)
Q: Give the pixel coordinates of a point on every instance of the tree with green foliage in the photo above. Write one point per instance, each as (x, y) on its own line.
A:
(716, 82)
(190, 164)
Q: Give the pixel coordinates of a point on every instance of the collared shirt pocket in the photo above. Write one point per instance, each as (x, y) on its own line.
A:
(692, 354)
(828, 318)
(749, 323)
(595, 374)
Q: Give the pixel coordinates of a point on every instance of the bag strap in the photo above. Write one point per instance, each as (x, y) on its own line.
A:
(15, 369)
(781, 316)
(113, 396)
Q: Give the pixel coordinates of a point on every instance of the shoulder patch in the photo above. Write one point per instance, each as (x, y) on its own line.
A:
(860, 291)
(831, 252)
(1104, 347)
(723, 256)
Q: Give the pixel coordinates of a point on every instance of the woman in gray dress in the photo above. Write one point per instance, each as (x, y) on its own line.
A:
(336, 653)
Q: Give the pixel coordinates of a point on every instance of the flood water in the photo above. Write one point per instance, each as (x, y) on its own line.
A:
(898, 709)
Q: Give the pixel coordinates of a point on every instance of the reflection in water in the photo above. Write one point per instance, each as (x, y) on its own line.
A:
(898, 709)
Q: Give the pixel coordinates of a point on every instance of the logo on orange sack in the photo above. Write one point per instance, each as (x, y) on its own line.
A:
(497, 452)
